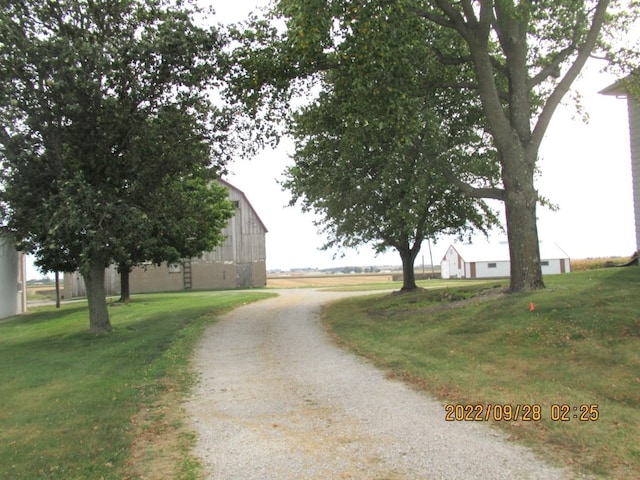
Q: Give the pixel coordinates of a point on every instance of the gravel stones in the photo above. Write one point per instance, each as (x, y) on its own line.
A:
(277, 400)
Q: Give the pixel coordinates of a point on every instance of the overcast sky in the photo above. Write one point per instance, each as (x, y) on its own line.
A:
(585, 170)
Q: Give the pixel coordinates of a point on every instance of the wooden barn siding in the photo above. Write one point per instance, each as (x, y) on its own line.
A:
(244, 236)
(205, 276)
(634, 135)
(150, 279)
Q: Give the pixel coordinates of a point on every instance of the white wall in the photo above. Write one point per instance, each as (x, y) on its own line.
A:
(13, 297)
(483, 269)
(634, 132)
(502, 269)
(555, 266)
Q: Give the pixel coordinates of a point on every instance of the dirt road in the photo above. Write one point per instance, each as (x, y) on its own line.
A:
(277, 400)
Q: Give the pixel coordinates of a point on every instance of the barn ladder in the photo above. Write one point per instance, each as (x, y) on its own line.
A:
(186, 273)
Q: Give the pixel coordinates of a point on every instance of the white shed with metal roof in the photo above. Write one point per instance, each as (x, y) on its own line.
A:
(491, 260)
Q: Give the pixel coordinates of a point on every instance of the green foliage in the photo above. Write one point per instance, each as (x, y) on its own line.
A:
(370, 146)
(191, 215)
(486, 78)
(106, 115)
(470, 345)
(69, 397)
(632, 85)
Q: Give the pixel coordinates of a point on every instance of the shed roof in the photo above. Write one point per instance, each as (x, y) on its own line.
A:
(498, 251)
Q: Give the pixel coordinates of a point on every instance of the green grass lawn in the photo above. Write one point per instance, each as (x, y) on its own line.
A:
(579, 346)
(428, 284)
(68, 397)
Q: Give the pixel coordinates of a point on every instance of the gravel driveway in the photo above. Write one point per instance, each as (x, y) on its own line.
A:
(277, 400)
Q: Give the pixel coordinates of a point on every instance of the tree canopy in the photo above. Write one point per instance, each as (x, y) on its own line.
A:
(509, 62)
(105, 117)
(368, 148)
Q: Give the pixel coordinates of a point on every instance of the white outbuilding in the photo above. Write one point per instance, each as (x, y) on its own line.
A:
(491, 260)
(13, 274)
(623, 89)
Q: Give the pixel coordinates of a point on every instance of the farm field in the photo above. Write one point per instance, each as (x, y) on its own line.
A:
(385, 280)
(306, 281)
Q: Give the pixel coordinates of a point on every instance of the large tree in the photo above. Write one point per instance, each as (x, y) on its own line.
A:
(88, 89)
(525, 56)
(518, 58)
(368, 147)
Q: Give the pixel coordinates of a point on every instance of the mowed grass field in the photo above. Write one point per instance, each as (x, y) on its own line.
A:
(566, 358)
(75, 405)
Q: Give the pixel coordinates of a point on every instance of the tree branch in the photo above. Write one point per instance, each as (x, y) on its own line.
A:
(5, 138)
(433, 17)
(553, 69)
(459, 85)
(454, 61)
(470, 191)
(451, 18)
(474, 192)
(563, 86)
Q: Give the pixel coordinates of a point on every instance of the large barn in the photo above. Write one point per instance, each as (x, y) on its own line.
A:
(620, 89)
(13, 277)
(491, 260)
(240, 262)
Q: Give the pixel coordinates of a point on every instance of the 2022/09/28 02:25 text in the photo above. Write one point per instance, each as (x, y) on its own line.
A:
(525, 412)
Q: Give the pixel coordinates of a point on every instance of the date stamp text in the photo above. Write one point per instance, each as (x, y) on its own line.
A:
(525, 412)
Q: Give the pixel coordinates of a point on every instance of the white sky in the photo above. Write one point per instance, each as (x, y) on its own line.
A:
(585, 170)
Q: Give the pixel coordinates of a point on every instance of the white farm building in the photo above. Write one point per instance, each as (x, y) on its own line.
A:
(491, 260)
(621, 89)
(13, 277)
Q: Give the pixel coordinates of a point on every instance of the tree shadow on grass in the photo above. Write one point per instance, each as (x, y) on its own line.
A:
(43, 315)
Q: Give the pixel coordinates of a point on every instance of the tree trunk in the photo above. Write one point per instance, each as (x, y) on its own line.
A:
(125, 292)
(57, 277)
(522, 233)
(98, 313)
(408, 256)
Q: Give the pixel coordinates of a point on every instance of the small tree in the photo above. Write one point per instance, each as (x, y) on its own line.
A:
(184, 212)
(185, 217)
